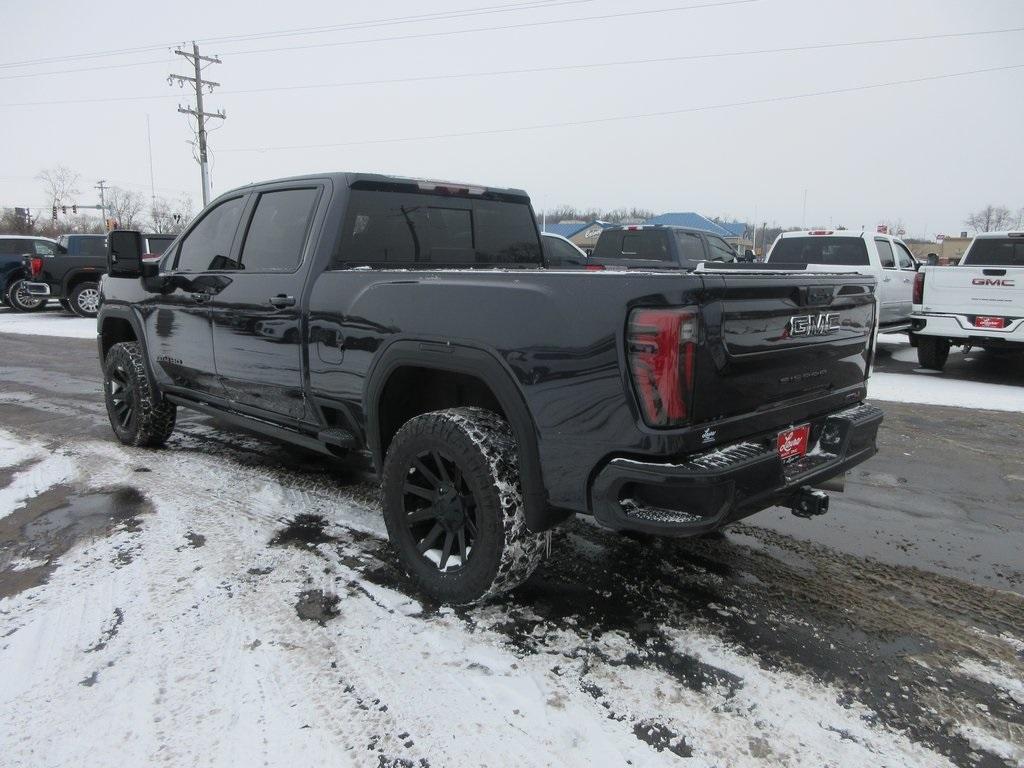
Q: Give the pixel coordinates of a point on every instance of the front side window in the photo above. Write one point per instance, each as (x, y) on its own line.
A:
(559, 253)
(885, 254)
(208, 245)
(277, 231)
(720, 250)
(905, 259)
(419, 230)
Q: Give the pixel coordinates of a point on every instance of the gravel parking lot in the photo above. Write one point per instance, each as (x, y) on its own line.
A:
(231, 600)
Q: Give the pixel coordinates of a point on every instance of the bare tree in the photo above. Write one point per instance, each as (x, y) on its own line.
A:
(991, 218)
(125, 207)
(171, 217)
(61, 185)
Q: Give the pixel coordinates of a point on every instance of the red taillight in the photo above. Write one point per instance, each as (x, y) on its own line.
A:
(918, 288)
(36, 265)
(662, 345)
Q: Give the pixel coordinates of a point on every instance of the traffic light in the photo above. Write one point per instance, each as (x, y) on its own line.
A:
(64, 210)
(74, 209)
(55, 213)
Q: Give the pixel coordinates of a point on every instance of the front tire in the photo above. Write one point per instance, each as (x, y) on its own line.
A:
(85, 299)
(21, 300)
(932, 352)
(454, 508)
(138, 415)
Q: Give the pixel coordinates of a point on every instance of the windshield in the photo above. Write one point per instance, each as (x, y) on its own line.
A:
(845, 251)
(996, 252)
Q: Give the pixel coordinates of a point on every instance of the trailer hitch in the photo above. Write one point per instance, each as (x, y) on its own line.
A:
(808, 502)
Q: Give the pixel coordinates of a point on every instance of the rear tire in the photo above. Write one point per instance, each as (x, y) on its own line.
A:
(137, 413)
(21, 300)
(85, 299)
(932, 352)
(460, 533)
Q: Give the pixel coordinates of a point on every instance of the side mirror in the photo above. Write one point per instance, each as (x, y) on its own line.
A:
(124, 253)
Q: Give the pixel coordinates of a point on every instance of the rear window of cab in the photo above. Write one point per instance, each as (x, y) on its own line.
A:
(838, 251)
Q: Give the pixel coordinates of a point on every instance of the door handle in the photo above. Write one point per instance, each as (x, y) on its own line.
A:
(200, 298)
(280, 301)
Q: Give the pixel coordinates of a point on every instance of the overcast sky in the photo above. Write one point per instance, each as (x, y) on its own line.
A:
(927, 153)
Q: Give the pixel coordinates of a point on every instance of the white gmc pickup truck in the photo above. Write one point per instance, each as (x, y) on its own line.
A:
(977, 303)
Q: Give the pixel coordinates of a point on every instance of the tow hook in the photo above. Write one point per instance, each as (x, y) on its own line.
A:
(808, 502)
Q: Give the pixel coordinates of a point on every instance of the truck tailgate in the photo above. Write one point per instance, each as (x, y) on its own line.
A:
(974, 290)
(782, 336)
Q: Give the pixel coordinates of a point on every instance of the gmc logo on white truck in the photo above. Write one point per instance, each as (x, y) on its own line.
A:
(994, 281)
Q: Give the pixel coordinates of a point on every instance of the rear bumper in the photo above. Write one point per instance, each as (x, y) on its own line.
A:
(37, 289)
(960, 328)
(706, 491)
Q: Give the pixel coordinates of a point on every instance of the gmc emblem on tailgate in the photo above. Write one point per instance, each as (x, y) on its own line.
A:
(814, 325)
(992, 281)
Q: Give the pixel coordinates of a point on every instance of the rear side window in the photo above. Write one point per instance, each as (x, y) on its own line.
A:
(398, 229)
(640, 244)
(208, 245)
(838, 251)
(720, 250)
(885, 254)
(13, 247)
(277, 230)
(691, 249)
(92, 246)
(43, 248)
(560, 253)
(996, 252)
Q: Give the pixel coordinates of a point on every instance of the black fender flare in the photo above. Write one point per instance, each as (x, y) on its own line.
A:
(72, 277)
(116, 312)
(486, 366)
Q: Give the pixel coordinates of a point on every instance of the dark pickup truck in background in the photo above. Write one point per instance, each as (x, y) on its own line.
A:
(73, 272)
(13, 251)
(659, 246)
(496, 395)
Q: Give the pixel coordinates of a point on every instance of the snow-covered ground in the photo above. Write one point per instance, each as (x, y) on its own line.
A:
(51, 322)
(183, 636)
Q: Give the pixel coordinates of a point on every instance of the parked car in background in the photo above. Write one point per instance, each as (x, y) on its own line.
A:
(71, 274)
(416, 320)
(977, 303)
(561, 252)
(13, 250)
(659, 246)
(884, 256)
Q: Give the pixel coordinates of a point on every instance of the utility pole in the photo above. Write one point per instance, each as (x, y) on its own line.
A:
(101, 186)
(198, 83)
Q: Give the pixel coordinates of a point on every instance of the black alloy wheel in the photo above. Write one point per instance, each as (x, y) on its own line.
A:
(440, 510)
(122, 397)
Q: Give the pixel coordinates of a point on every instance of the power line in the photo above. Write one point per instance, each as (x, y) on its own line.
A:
(639, 116)
(436, 16)
(423, 35)
(540, 70)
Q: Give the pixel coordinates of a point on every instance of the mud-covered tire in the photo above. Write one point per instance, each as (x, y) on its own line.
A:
(85, 299)
(147, 420)
(932, 352)
(482, 447)
(21, 301)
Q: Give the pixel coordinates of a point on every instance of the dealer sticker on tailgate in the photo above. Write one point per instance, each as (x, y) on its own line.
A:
(793, 442)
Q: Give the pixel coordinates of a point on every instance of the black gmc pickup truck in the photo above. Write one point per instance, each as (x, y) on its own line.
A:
(497, 396)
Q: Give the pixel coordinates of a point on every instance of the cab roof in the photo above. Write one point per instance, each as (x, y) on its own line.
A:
(370, 180)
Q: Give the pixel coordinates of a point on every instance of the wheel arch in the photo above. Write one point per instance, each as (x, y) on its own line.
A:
(119, 324)
(78, 276)
(456, 365)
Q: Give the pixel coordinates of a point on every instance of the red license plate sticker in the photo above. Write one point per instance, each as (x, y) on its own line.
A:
(989, 322)
(793, 442)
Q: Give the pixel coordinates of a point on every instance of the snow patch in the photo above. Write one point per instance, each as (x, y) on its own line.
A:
(905, 388)
(47, 324)
(55, 469)
(14, 451)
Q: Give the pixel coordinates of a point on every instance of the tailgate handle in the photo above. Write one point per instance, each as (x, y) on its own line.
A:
(994, 272)
(818, 295)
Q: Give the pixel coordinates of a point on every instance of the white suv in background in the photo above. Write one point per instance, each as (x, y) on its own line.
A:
(884, 256)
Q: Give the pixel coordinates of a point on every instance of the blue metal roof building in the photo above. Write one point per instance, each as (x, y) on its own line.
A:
(566, 229)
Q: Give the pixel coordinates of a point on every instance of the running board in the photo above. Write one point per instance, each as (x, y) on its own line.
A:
(323, 442)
